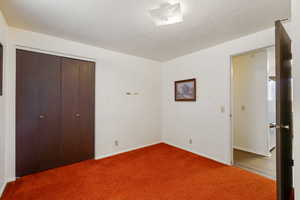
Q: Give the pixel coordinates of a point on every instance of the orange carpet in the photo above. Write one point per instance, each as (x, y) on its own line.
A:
(159, 172)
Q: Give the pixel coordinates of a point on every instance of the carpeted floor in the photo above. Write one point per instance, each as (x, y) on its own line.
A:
(159, 172)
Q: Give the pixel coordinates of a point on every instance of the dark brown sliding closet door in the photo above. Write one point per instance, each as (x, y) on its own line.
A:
(37, 112)
(77, 110)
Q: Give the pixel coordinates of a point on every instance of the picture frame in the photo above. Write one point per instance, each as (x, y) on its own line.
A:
(185, 90)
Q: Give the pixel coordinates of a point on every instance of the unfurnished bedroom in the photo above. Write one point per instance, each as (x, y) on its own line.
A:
(149, 100)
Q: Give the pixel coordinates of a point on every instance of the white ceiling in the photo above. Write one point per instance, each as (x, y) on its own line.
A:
(125, 25)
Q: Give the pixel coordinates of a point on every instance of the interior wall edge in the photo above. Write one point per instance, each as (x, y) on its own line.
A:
(127, 150)
(3, 133)
(198, 153)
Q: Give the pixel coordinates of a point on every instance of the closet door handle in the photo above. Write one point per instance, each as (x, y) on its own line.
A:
(77, 115)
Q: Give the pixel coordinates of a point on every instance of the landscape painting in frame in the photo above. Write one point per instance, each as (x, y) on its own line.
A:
(185, 90)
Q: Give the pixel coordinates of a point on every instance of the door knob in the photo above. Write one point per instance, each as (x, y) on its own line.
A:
(282, 126)
(41, 116)
(272, 125)
(77, 115)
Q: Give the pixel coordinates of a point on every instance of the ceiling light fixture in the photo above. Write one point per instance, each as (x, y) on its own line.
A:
(166, 14)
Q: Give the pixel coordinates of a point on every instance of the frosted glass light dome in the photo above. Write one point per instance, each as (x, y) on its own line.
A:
(167, 14)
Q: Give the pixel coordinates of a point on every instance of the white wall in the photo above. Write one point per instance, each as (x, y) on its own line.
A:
(3, 30)
(250, 104)
(133, 120)
(203, 120)
(296, 70)
(271, 61)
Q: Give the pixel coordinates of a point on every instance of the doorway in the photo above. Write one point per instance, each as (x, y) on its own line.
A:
(254, 111)
(284, 113)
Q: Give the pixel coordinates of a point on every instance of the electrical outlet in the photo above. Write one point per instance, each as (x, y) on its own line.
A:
(116, 143)
(190, 141)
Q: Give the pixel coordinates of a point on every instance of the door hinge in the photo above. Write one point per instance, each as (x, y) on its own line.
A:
(290, 56)
(291, 163)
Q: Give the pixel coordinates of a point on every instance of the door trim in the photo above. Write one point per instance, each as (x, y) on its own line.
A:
(54, 53)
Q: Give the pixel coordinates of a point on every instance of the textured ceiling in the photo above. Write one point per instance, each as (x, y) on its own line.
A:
(125, 25)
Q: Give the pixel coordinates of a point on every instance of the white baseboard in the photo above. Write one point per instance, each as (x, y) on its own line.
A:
(200, 154)
(8, 180)
(2, 187)
(97, 158)
(256, 171)
(127, 150)
(251, 151)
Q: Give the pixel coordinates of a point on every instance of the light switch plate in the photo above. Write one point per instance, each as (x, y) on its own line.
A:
(222, 109)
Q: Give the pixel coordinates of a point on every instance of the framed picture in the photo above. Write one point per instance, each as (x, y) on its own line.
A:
(185, 90)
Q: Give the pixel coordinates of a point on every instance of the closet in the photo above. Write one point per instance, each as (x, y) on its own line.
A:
(54, 111)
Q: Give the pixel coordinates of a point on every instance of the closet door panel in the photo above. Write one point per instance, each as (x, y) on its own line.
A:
(86, 109)
(27, 113)
(37, 112)
(70, 151)
(50, 111)
(54, 111)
